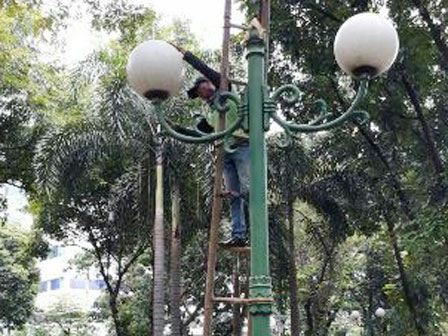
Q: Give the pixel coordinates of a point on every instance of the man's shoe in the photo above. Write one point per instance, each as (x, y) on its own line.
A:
(235, 242)
(245, 196)
(241, 241)
(227, 195)
(229, 243)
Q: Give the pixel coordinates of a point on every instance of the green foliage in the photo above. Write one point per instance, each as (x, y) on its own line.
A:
(29, 88)
(61, 320)
(136, 306)
(19, 277)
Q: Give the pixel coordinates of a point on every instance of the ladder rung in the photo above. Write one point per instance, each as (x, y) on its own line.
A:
(237, 249)
(237, 82)
(232, 300)
(237, 26)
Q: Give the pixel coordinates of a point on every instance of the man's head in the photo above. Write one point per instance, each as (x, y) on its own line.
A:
(202, 88)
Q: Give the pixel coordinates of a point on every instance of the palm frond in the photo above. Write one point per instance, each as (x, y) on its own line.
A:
(80, 143)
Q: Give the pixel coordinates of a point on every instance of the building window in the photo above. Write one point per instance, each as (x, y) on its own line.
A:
(43, 287)
(55, 284)
(97, 284)
(55, 251)
(78, 284)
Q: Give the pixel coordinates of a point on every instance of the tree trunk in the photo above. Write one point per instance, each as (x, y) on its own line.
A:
(436, 33)
(430, 146)
(113, 292)
(175, 273)
(159, 252)
(114, 310)
(394, 178)
(407, 290)
(392, 169)
(293, 290)
(309, 318)
(427, 132)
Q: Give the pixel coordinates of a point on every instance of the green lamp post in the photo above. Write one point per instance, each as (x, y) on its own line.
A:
(366, 45)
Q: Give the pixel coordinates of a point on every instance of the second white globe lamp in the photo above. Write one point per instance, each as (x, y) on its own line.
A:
(366, 43)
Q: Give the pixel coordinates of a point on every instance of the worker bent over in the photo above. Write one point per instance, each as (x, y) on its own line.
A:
(236, 164)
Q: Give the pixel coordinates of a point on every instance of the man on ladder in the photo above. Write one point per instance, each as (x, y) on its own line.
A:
(236, 164)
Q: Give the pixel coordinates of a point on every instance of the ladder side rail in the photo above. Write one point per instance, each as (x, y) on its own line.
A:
(217, 202)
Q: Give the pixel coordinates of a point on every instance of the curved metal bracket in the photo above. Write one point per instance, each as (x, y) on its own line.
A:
(221, 104)
(286, 141)
(221, 101)
(228, 143)
(319, 124)
(292, 90)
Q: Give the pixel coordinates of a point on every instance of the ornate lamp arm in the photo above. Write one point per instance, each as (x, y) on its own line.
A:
(316, 125)
(221, 106)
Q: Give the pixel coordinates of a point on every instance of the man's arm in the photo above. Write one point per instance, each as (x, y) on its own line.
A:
(199, 65)
(211, 74)
(202, 125)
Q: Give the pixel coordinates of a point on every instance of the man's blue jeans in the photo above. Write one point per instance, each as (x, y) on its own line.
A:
(236, 177)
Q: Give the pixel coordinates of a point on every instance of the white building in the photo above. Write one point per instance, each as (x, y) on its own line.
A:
(64, 290)
(58, 282)
(62, 284)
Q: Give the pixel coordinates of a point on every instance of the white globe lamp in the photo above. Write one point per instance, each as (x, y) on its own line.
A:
(366, 44)
(380, 312)
(155, 70)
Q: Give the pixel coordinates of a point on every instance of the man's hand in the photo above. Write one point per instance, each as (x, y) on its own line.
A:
(180, 49)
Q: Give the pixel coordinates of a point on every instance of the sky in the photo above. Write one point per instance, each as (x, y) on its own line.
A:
(17, 212)
(206, 19)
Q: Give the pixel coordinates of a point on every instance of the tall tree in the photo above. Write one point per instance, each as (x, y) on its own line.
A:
(18, 252)
(175, 270)
(159, 250)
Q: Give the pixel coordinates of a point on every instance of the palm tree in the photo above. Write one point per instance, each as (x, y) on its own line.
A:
(175, 254)
(159, 250)
(91, 182)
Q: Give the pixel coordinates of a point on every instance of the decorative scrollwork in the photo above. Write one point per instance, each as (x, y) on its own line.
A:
(326, 120)
(322, 106)
(223, 100)
(286, 139)
(243, 109)
(289, 93)
(324, 115)
(269, 107)
(205, 137)
(229, 145)
(198, 130)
